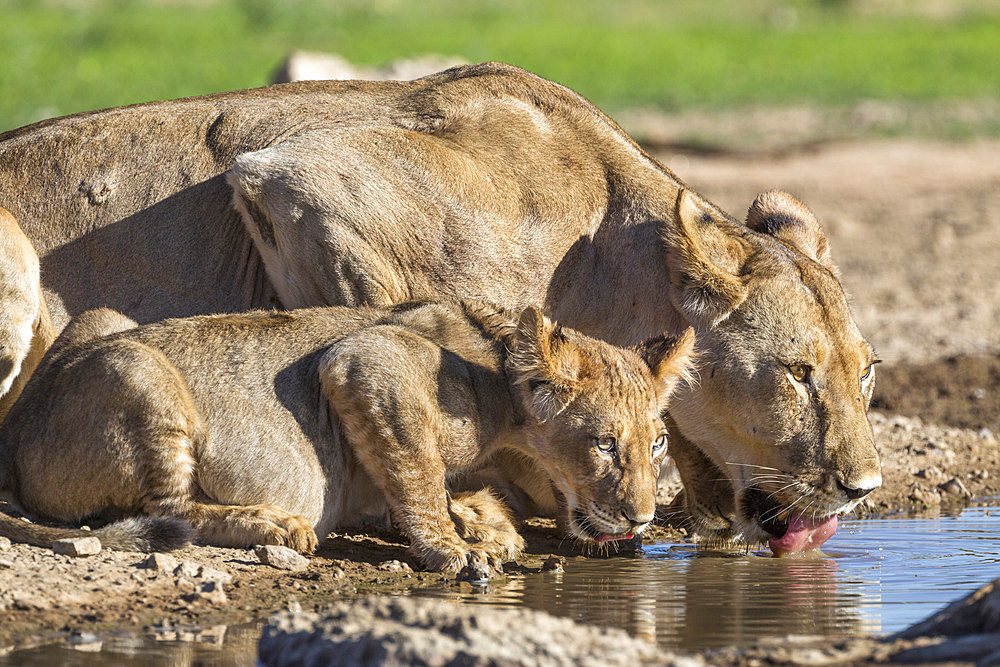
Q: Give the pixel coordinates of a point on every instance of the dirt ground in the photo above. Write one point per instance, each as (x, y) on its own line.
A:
(915, 228)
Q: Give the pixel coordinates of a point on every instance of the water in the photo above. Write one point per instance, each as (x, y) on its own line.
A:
(875, 576)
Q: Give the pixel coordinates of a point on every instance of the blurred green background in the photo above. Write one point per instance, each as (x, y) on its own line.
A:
(59, 57)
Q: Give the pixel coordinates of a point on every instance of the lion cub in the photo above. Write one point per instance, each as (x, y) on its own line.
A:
(276, 427)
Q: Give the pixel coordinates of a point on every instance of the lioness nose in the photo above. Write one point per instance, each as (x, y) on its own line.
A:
(854, 493)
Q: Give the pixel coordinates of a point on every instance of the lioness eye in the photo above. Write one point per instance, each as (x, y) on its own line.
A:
(799, 371)
(605, 444)
(660, 442)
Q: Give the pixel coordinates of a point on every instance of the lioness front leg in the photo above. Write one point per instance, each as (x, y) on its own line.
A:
(382, 383)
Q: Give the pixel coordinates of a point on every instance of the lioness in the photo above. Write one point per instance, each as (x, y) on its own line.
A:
(479, 182)
(26, 329)
(274, 428)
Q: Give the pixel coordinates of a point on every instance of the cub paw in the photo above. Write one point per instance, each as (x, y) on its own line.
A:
(485, 522)
(275, 526)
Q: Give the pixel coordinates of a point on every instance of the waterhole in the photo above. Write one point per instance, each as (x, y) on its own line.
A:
(874, 576)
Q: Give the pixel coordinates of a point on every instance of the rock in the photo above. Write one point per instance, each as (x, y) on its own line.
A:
(211, 592)
(405, 631)
(282, 558)
(77, 546)
(4, 543)
(954, 487)
(6, 564)
(924, 496)
(976, 614)
(187, 569)
(160, 562)
(554, 564)
(218, 576)
(931, 474)
(395, 566)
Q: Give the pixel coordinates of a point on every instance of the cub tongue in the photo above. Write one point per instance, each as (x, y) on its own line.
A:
(803, 534)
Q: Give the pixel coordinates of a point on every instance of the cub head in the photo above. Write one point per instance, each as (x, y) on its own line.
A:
(596, 427)
(780, 412)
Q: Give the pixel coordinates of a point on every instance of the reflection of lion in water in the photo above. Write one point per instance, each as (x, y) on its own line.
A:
(278, 427)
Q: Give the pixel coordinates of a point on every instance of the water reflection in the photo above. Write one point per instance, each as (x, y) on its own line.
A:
(876, 576)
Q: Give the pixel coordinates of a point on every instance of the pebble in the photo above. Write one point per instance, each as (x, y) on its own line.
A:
(4, 543)
(211, 591)
(77, 546)
(930, 473)
(554, 564)
(160, 562)
(395, 566)
(282, 558)
(218, 576)
(187, 569)
(955, 487)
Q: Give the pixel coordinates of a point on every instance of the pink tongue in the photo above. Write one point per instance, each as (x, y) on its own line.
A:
(803, 534)
(609, 538)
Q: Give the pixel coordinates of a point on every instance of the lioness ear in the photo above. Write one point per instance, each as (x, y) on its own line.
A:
(784, 217)
(545, 363)
(705, 260)
(671, 360)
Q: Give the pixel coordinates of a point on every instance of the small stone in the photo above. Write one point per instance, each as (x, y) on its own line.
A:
(395, 566)
(919, 494)
(211, 591)
(160, 562)
(218, 576)
(337, 573)
(4, 543)
(282, 558)
(77, 546)
(477, 572)
(187, 569)
(955, 487)
(985, 433)
(554, 564)
(6, 564)
(979, 394)
(931, 473)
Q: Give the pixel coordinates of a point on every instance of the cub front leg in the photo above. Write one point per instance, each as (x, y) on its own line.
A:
(382, 382)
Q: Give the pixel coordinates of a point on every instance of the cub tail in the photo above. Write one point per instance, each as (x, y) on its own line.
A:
(143, 533)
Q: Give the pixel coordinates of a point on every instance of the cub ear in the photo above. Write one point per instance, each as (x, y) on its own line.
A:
(786, 218)
(705, 258)
(545, 363)
(671, 360)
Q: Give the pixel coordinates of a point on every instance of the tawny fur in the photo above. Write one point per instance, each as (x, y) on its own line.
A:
(479, 182)
(26, 329)
(277, 427)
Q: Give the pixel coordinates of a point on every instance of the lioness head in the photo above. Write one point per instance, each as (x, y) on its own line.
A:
(785, 376)
(597, 428)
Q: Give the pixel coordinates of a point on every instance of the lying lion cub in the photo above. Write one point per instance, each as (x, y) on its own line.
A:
(277, 427)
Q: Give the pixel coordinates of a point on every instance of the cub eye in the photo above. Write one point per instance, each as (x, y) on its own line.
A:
(800, 372)
(606, 444)
(660, 443)
(867, 375)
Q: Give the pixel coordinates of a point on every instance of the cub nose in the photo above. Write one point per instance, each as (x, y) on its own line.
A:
(865, 487)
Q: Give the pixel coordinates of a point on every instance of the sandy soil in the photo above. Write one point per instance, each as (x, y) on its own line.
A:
(915, 227)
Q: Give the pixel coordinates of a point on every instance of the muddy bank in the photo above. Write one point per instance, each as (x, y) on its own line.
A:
(47, 595)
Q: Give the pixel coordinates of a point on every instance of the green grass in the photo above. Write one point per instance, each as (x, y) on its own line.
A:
(61, 57)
